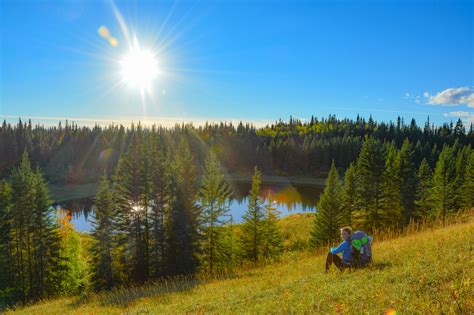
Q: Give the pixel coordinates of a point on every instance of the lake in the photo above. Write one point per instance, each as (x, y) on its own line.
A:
(287, 198)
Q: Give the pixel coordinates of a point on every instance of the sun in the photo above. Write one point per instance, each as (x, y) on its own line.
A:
(139, 68)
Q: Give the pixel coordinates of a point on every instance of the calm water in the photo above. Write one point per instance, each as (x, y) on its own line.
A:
(287, 199)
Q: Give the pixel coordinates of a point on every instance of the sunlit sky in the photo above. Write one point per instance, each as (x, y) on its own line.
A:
(229, 60)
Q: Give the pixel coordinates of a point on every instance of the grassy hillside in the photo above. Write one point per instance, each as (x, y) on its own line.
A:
(427, 272)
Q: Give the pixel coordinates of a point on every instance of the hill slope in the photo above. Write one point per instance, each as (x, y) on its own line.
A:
(429, 272)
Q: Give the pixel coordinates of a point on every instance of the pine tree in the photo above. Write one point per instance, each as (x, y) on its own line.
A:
(424, 203)
(462, 162)
(184, 217)
(72, 263)
(329, 216)
(273, 238)
(252, 226)
(349, 195)
(407, 180)
(466, 190)
(46, 240)
(444, 181)
(33, 239)
(23, 196)
(370, 167)
(161, 199)
(391, 203)
(7, 263)
(102, 231)
(124, 244)
(214, 197)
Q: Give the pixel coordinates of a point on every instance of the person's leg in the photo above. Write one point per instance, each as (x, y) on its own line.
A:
(334, 259)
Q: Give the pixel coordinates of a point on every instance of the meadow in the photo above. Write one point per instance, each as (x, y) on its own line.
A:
(424, 270)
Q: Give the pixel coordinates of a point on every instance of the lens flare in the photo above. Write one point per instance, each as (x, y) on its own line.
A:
(139, 67)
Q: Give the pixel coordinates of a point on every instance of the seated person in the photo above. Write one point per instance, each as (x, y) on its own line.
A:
(344, 248)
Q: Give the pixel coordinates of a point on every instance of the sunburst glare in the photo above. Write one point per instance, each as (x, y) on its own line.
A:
(139, 67)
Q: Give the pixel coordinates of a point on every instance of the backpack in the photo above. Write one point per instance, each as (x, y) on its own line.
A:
(361, 248)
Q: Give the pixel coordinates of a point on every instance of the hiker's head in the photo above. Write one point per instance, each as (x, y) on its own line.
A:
(346, 233)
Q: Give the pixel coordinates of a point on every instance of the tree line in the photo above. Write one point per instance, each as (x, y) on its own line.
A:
(71, 154)
(384, 188)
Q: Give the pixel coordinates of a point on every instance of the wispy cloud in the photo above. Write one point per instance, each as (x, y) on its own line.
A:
(452, 97)
(466, 117)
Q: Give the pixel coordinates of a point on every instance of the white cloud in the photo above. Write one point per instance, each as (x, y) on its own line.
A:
(466, 117)
(452, 97)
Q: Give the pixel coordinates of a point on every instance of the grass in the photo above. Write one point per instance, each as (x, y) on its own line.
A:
(420, 273)
(296, 230)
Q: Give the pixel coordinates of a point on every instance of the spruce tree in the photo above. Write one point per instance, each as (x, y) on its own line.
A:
(103, 231)
(253, 225)
(391, 204)
(34, 242)
(161, 199)
(273, 237)
(184, 216)
(444, 183)
(466, 190)
(7, 263)
(370, 168)
(462, 164)
(328, 217)
(72, 263)
(349, 195)
(125, 246)
(424, 203)
(46, 240)
(407, 180)
(214, 198)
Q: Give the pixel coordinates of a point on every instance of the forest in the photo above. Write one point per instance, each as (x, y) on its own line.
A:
(162, 206)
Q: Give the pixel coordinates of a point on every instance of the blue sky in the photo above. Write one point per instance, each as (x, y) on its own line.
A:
(251, 60)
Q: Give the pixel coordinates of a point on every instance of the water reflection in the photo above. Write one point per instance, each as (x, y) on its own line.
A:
(287, 198)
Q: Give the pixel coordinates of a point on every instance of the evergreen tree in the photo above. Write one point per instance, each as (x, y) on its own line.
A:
(349, 195)
(214, 197)
(46, 240)
(7, 263)
(273, 238)
(462, 162)
(391, 203)
(103, 231)
(329, 216)
(161, 199)
(466, 191)
(124, 245)
(33, 241)
(184, 217)
(72, 263)
(424, 203)
(253, 222)
(370, 168)
(407, 180)
(444, 183)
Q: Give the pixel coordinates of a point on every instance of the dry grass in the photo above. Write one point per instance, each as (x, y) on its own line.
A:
(428, 270)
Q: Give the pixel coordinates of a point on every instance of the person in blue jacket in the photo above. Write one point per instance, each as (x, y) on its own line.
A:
(344, 248)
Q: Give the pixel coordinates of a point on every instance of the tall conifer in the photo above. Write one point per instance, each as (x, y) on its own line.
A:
(329, 217)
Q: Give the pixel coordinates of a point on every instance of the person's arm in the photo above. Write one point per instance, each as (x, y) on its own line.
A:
(339, 249)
